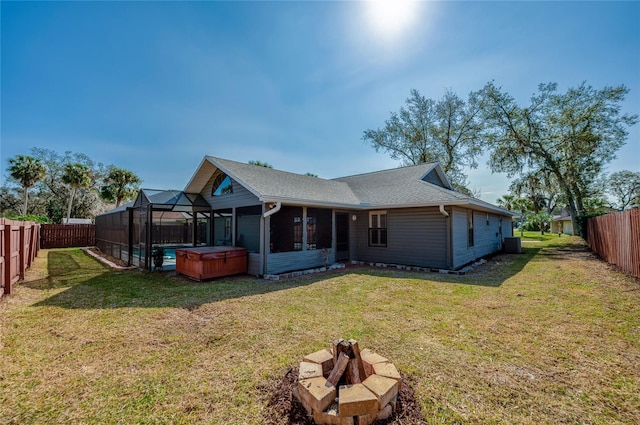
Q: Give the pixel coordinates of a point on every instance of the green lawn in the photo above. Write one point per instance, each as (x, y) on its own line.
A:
(537, 236)
(549, 336)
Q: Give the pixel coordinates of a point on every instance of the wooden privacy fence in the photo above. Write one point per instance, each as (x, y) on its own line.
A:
(616, 238)
(19, 245)
(68, 235)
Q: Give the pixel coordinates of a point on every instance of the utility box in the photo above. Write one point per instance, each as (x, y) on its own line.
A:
(512, 245)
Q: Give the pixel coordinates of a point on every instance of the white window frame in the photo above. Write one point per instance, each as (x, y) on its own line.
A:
(379, 229)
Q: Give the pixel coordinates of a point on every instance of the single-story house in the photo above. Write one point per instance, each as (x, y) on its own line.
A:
(562, 223)
(286, 221)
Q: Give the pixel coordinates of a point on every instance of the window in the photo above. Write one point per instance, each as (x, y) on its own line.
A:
(221, 185)
(470, 228)
(378, 228)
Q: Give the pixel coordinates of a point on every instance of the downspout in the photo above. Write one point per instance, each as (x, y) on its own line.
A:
(449, 232)
(264, 235)
(273, 210)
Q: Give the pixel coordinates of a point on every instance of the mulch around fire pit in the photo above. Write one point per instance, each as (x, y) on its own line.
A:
(283, 408)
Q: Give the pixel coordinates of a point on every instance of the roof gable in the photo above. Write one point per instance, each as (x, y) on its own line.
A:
(269, 184)
(438, 177)
(418, 185)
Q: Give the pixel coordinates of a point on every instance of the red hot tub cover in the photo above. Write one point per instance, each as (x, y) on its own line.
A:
(211, 261)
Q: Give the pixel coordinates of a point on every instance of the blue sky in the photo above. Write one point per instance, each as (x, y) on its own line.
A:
(155, 86)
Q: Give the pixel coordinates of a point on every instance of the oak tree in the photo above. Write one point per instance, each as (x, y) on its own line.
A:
(424, 130)
(571, 135)
(624, 187)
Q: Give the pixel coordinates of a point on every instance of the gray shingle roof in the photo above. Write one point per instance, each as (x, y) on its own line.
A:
(400, 187)
(394, 188)
(268, 184)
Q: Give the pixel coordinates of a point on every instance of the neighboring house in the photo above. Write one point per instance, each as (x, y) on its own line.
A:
(562, 223)
(77, 221)
(409, 216)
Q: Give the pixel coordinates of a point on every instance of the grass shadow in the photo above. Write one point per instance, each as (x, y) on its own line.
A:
(497, 269)
(89, 285)
(63, 269)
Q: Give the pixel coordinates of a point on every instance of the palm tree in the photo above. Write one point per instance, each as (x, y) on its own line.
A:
(120, 184)
(27, 170)
(532, 186)
(506, 202)
(521, 205)
(76, 175)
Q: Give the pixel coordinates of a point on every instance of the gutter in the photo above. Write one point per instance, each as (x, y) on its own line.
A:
(442, 211)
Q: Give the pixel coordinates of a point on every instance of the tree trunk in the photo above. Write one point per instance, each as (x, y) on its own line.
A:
(577, 230)
(26, 199)
(73, 192)
(564, 185)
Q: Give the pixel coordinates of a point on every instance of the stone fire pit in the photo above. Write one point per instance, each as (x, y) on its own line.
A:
(346, 386)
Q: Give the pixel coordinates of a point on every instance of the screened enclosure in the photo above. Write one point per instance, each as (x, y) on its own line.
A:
(146, 232)
(287, 233)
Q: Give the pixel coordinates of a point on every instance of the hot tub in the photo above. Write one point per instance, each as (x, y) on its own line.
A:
(211, 261)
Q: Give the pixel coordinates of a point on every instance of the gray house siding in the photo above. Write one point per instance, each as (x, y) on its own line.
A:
(487, 234)
(282, 262)
(507, 227)
(415, 236)
(240, 197)
(253, 264)
(433, 178)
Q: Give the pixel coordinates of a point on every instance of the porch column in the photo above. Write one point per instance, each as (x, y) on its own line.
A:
(304, 228)
(194, 233)
(264, 240)
(129, 237)
(233, 226)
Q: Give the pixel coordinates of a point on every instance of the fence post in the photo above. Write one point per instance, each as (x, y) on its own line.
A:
(7, 259)
(32, 245)
(3, 252)
(21, 253)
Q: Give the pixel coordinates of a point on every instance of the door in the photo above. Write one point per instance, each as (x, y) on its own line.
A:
(342, 236)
